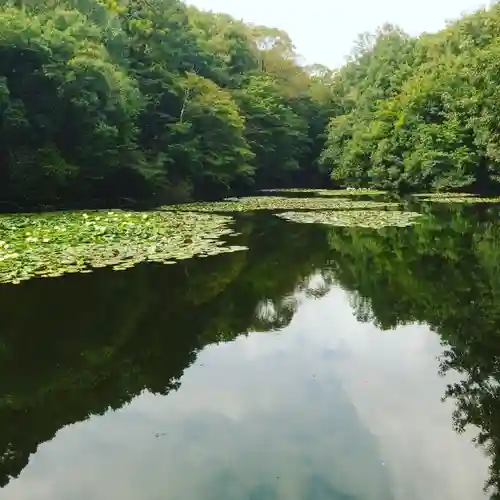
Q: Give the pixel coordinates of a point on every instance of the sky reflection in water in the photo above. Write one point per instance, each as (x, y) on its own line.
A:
(327, 408)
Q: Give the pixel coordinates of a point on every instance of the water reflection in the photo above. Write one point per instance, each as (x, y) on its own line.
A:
(83, 344)
(337, 397)
(445, 273)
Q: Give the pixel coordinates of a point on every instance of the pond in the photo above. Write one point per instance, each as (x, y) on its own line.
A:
(311, 359)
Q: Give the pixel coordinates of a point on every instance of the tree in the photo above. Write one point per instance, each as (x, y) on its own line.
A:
(208, 139)
(277, 135)
(107, 102)
(419, 113)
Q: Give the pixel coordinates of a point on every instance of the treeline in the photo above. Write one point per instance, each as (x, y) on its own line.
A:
(420, 113)
(117, 101)
(109, 101)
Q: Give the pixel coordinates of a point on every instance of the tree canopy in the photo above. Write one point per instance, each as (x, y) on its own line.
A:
(105, 101)
(113, 101)
(419, 113)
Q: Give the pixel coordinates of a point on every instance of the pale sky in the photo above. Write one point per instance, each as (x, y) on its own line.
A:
(324, 30)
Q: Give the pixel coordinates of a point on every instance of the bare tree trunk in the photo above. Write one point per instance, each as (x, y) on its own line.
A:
(187, 94)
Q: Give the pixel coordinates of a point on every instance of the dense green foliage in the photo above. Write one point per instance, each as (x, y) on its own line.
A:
(114, 101)
(420, 113)
(107, 101)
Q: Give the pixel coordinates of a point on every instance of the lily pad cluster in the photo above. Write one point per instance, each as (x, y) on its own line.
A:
(49, 245)
(291, 190)
(354, 218)
(329, 192)
(350, 192)
(467, 199)
(252, 203)
(446, 195)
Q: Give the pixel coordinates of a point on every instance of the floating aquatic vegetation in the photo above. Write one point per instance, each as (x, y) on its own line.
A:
(351, 192)
(442, 195)
(49, 245)
(290, 190)
(467, 199)
(354, 218)
(328, 192)
(251, 203)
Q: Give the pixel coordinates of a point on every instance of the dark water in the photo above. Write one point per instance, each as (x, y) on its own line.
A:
(323, 364)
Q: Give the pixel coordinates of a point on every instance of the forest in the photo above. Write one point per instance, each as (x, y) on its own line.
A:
(413, 114)
(114, 102)
(150, 100)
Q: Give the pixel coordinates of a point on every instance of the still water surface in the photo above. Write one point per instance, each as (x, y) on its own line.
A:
(312, 367)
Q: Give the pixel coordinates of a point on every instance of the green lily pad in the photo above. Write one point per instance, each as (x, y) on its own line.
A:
(329, 192)
(354, 218)
(443, 195)
(252, 203)
(351, 192)
(467, 199)
(49, 245)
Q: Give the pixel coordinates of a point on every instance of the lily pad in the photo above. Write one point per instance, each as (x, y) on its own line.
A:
(467, 199)
(49, 245)
(328, 192)
(443, 195)
(354, 218)
(350, 192)
(252, 203)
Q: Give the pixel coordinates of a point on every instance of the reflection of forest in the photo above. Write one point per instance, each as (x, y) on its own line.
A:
(85, 343)
(444, 272)
(79, 345)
